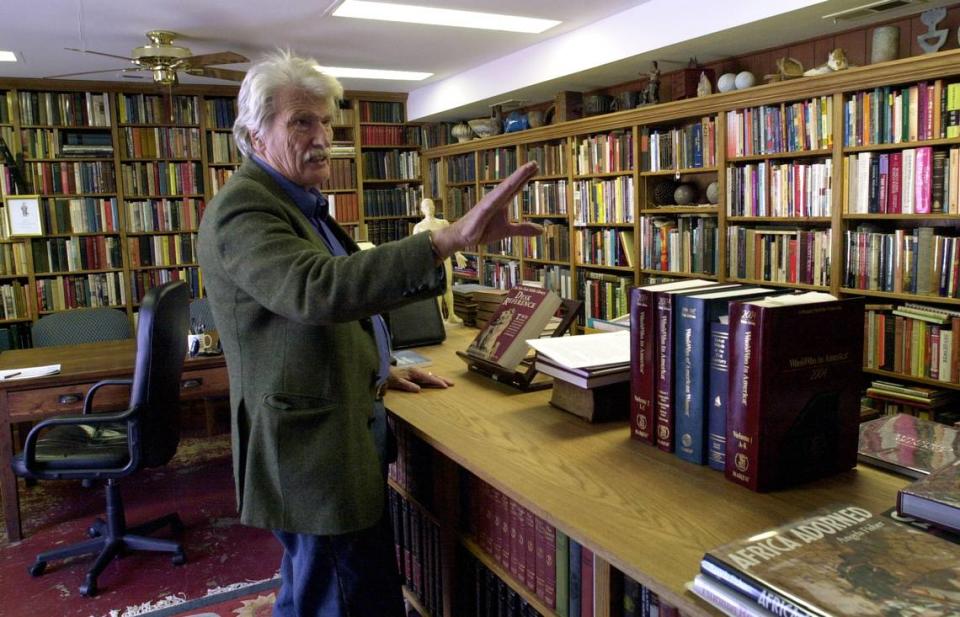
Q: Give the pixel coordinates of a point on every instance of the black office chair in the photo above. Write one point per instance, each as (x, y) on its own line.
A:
(88, 325)
(113, 445)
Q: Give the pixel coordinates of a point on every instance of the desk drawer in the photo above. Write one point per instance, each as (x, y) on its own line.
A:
(54, 400)
(204, 383)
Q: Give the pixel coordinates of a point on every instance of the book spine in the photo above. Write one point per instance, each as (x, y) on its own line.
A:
(689, 336)
(727, 600)
(642, 373)
(663, 401)
(718, 387)
(743, 447)
(753, 589)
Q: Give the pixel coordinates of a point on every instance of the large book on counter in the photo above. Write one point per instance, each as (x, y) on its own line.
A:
(794, 400)
(643, 357)
(934, 498)
(841, 562)
(521, 315)
(586, 361)
(908, 445)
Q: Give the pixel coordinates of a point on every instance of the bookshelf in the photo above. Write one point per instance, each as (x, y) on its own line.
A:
(124, 173)
(545, 201)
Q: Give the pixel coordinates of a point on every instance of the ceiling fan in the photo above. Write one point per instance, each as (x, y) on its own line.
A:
(164, 59)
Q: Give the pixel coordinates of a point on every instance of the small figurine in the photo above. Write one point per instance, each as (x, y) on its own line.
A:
(932, 40)
(787, 68)
(430, 223)
(704, 87)
(653, 86)
(837, 61)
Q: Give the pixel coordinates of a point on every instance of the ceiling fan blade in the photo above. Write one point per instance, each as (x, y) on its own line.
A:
(227, 74)
(99, 53)
(125, 69)
(222, 57)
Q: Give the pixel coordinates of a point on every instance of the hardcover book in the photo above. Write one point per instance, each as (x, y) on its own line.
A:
(794, 400)
(842, 562)
(521, 315)
(908, 445)
(934, 498)
(717, 388)
(643, 367)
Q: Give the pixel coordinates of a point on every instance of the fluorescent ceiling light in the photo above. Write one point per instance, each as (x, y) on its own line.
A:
(7, 56)
(339, 71)
(414, 14)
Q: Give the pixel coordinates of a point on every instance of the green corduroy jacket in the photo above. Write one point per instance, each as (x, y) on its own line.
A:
(301, 356)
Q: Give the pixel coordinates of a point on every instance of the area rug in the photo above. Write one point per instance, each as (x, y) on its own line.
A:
(226, 561)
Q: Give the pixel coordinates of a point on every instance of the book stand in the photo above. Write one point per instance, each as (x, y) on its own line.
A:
(524, 376)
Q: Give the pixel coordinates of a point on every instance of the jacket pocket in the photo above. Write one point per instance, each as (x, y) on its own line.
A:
(291, 401)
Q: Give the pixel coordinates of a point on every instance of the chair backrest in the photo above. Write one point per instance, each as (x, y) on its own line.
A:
(91, 325)
(161, 347)
(201, 314)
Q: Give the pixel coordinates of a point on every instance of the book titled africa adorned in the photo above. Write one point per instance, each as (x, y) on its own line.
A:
(842, 562)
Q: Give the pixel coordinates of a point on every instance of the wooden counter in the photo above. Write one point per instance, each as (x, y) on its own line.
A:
(646, 512)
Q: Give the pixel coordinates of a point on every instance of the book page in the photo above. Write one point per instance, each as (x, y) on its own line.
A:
(586, 350)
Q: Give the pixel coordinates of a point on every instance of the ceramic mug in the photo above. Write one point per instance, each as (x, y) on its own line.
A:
(199, 343)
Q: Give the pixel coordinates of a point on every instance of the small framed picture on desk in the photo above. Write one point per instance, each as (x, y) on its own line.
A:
(23, 215)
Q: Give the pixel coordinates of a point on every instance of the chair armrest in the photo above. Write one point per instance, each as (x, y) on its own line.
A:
(30, 444)
(88, 399)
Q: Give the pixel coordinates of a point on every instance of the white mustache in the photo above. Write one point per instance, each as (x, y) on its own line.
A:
(316, 153)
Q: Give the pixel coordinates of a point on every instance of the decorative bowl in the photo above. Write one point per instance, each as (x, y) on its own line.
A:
(485, 127)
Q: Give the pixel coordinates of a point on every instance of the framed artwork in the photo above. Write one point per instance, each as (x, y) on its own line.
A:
(23, 215)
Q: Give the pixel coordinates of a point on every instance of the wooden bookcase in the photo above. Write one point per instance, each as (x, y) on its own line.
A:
(125, 218)
(784, 133)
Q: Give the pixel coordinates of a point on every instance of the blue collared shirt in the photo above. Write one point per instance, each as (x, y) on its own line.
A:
(314, 206)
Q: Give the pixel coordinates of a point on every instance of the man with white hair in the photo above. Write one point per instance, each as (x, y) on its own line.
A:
(297, 309)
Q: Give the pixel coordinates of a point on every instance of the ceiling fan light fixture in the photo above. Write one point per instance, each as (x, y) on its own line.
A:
(7, 56)
(340, 71)
(415, 14)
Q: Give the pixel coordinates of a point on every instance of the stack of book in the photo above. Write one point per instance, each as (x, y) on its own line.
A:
(465, 302)
(928, 403)
(934, 498)
(839, 562)
(591, 373)
(488, 301)
(908, 445)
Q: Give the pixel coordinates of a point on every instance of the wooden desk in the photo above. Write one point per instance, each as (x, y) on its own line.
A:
(81, 366)
(646, 512)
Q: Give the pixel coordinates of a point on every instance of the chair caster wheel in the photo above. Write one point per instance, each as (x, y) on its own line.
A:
(38, 568)
(89, 587)
(93, 532)
(179, 559)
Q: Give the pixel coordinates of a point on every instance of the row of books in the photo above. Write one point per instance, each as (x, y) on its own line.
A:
(552, 244)
(143, 280)
(6, 108)
(497, 164)
(387, 230)
(784, 189)
(551, 158)
(164, 215)
(417, 544)
(686, 243)
(80, 215)
(435, 135)
(459, 200)
(545, 197)
(13, 258)
(76, 253)
(605, 247)
(391, 165)
(721, 410)
(221, 148)
(500, 274)
(556, 278)
(71, 178)
(221, 112)
(13, 301)
(163, 142)
(780, 255)
(64, 108)
(685, 147)
(388, 135)
(219, 177)
(381, 111)
(912, 181)
(604, 201)
(918, 261)
(412, 470)
(787, 127)
(80, 291)
(913, 339)
(344, 207)
(46, 144)
(897, 114)
(172, 250)
(15, 336)
(462, 168)
(403, 200)
(492, 596)
(604, 153)
(162, 178)
(605, 296)
(157, 109)
(888, 398)
(343, 175)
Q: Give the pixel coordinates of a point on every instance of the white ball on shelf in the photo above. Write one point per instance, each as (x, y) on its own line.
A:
(744, 80)
(726, 82)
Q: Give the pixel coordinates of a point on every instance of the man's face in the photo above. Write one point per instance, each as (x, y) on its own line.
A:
(296, 142)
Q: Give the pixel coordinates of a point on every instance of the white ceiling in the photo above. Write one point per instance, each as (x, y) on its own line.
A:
(472, 68)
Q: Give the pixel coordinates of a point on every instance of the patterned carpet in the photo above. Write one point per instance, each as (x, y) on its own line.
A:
(223, 556)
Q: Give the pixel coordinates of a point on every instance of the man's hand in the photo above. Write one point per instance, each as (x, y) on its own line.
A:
(488, 221)
(412, 379)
